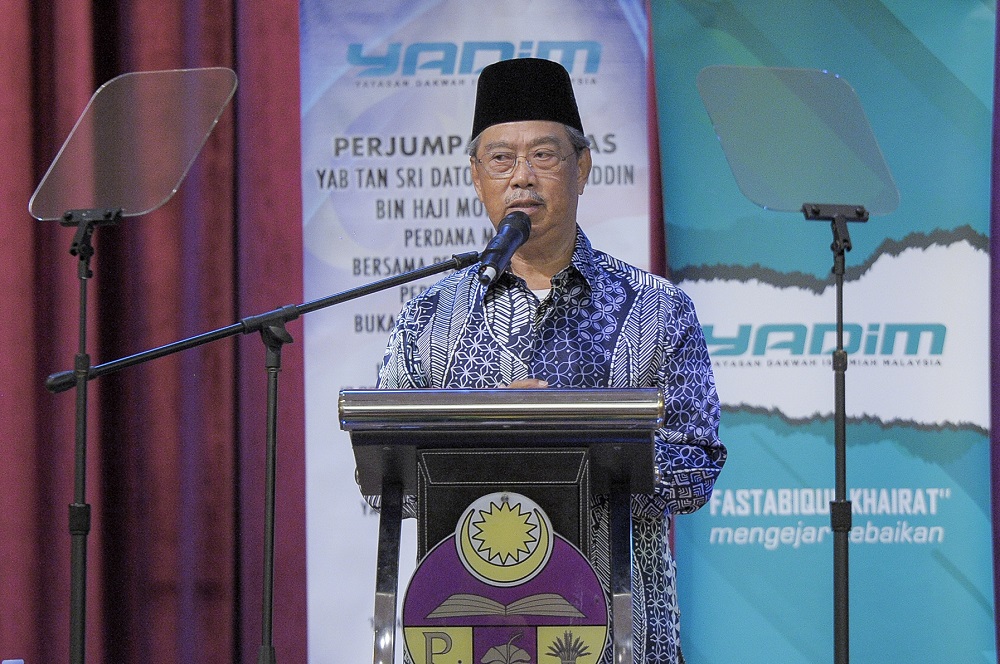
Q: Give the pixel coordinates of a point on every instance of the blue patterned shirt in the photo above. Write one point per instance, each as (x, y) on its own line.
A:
(605, 324)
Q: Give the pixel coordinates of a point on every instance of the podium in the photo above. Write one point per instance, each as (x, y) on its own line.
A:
(449, 447)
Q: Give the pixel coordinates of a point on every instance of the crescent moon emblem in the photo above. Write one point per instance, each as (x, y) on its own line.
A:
(505, 575)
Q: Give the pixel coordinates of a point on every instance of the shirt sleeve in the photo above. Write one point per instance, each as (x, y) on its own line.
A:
(688, 452)
(401, 364)
(400, 371)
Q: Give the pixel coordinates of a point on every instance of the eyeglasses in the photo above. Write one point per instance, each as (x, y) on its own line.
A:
(501, 163)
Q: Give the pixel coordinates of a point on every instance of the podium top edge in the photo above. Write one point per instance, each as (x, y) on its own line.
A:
(504, 408)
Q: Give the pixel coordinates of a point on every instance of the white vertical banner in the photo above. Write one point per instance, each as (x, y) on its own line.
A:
(388, 92)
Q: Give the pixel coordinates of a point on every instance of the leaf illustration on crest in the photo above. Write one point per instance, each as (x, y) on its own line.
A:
(568, 650)
(507, 654)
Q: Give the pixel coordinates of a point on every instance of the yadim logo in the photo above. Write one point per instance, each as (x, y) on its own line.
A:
(451, 58)
(798, 339)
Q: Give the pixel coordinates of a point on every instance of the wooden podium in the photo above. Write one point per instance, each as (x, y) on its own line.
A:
(449, 447)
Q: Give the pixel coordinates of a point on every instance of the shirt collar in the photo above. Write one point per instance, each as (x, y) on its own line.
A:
(582, 265)
(584, 261)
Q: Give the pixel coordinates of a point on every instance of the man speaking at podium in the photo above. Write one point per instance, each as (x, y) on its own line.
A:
(565, 315)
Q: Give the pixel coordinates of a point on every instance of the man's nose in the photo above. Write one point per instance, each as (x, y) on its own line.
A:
(523, 172)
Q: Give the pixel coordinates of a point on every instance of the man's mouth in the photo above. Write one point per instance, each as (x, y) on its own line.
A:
(524, 204)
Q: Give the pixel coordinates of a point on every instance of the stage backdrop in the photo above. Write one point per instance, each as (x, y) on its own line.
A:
(387, 101)
(756, 581)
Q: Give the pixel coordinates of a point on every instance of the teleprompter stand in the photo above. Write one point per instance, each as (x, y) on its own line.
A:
(449, 447)
(128, 152)
(792, 136)
(133, 145)
(840, 507)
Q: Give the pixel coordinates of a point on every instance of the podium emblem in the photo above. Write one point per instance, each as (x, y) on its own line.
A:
(504, 543)
(504, 589)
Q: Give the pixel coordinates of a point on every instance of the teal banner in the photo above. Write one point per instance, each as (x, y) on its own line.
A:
(756, 565)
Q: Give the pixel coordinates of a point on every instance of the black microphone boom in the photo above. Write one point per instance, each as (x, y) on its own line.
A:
(512, 232)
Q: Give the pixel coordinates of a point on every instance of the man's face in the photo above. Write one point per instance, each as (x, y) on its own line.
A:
(548, 198)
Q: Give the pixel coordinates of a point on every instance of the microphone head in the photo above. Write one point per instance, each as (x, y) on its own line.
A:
(512, 232)
(520, 221)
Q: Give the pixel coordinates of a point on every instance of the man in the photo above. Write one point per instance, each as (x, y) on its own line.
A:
(565, 315)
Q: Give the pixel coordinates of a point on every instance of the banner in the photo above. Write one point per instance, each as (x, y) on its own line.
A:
(387, 99)
(758, 561)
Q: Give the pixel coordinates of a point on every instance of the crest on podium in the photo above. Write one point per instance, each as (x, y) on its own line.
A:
(505, 588)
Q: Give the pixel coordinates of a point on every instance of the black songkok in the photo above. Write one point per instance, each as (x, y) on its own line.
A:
(524, 89)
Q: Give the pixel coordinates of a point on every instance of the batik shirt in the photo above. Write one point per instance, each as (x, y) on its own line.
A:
(604, 324)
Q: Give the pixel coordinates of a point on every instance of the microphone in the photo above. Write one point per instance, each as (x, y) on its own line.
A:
(512, 232)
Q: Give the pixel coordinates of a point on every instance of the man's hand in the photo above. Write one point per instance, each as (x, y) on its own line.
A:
(527, 383)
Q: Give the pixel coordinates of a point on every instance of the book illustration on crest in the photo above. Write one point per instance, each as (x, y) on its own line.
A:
(542, 604)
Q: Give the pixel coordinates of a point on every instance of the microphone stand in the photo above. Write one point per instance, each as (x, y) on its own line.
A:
(840, 507)
(271, 326)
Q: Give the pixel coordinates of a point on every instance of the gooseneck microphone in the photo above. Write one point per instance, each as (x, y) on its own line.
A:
(512, 232)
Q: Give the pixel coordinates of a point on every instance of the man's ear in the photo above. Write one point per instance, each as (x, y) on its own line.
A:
(584, 164)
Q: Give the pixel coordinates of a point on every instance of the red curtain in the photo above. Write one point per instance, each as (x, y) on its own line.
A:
(175, 447)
